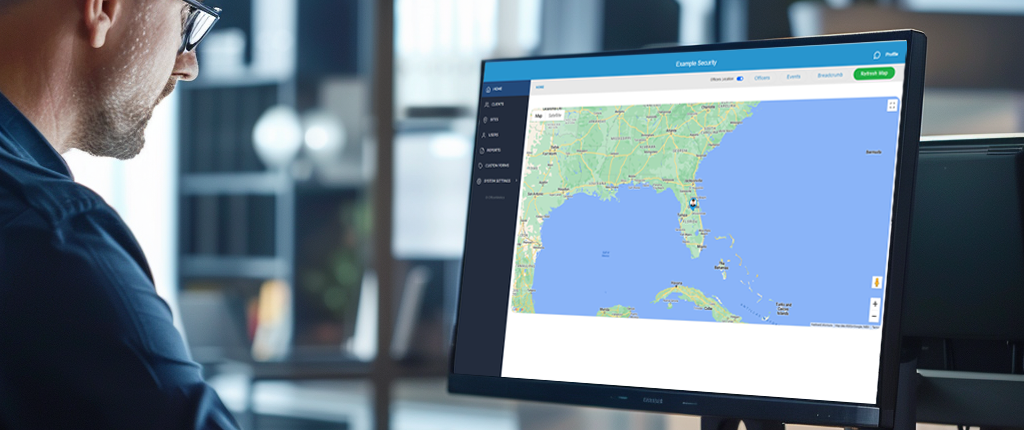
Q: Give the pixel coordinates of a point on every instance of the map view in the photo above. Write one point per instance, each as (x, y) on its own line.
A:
(707, 211)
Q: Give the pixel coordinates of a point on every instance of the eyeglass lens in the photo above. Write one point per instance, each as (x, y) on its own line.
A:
(197, 28)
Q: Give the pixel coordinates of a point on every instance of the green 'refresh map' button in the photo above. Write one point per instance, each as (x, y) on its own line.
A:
(866, 73)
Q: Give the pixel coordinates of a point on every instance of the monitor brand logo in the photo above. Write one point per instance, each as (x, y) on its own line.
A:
(653, 400)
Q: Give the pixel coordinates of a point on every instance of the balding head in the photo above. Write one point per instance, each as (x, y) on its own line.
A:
(88, 73)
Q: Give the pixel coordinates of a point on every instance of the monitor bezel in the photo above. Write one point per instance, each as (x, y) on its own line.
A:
(879, 414)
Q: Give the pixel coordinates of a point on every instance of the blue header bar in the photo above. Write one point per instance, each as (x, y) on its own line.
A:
(789, 57)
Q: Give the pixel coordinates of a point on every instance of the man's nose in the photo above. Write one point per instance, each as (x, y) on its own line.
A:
(186, 66)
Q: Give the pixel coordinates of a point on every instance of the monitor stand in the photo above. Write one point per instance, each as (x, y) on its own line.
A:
(906, 400)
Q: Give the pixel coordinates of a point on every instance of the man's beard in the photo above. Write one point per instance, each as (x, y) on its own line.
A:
(116, 126)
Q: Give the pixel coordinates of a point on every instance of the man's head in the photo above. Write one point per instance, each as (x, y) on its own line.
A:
(117, 60)
(134, 64)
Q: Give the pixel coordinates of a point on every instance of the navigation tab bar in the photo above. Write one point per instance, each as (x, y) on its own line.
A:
(745, 79)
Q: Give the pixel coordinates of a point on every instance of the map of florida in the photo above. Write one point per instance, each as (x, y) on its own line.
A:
(595, 150)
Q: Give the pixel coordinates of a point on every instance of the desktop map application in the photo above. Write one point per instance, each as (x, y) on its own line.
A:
(713, 221)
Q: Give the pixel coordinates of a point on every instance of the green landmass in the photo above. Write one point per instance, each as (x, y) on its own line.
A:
(700, 301)
(595, 150)
(617, 311)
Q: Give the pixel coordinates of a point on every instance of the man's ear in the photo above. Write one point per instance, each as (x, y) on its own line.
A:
(99, 16)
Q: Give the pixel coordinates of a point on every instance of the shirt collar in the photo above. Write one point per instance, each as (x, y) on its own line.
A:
(29, 143)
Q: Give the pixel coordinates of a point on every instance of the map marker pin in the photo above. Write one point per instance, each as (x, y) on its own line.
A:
(693, 203)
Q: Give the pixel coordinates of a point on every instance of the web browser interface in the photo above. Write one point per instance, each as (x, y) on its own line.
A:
(702, 221)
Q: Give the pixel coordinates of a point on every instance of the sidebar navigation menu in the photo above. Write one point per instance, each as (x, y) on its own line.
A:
(493, 198)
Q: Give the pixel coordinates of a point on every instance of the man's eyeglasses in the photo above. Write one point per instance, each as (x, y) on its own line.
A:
(200, 20)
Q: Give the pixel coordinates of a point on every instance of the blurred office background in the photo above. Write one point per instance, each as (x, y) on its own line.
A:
(302, 203)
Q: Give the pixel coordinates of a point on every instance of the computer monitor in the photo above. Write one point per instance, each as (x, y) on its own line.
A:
(712, 230)
(970, 354)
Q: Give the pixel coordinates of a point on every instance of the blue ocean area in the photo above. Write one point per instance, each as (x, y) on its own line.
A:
(797, 204)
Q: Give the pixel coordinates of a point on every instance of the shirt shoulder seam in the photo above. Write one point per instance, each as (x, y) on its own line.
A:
(70, 208)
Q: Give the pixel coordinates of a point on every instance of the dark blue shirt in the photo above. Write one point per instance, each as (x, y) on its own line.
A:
(85, 342)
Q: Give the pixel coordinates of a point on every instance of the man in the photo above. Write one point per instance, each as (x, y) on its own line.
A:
(85, 342)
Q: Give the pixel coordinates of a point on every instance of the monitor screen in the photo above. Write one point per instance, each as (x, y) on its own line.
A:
(719, 223)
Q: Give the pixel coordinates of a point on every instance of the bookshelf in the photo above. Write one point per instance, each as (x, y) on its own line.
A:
(241, 224)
